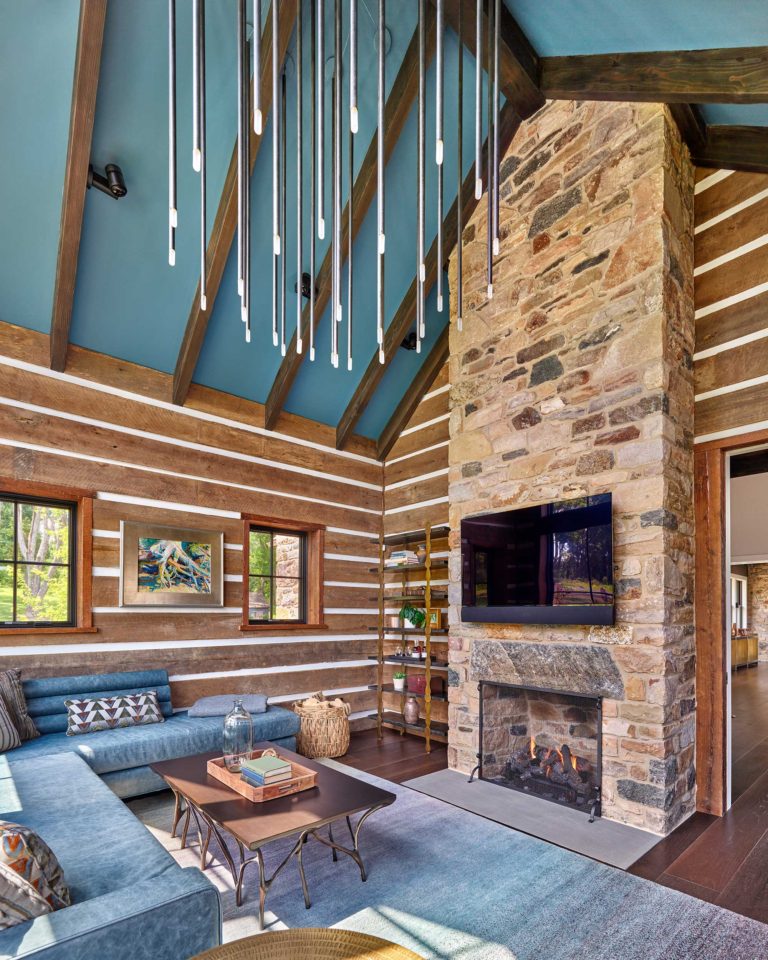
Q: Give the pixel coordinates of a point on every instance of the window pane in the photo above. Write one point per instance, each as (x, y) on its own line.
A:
(287, 599)
(7, 508)
(259, 553)
(42, 593)
(6, 593)
(259, 598)
(43, 533)
(287, 555)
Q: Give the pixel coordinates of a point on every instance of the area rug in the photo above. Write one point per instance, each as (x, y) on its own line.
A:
(451, 885)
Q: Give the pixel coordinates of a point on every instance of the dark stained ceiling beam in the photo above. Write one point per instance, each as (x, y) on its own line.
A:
(225, 224)
(738, 75)
(691, 124)
(90, 34)
(403, 319)
(733, 148)
(396, 111)
(415, 393)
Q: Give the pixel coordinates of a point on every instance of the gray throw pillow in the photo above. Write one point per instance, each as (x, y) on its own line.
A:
(12, 695)
(220, 705)
(9, 735)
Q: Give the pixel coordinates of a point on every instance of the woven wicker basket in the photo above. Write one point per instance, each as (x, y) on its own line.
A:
(324, 727)
(309, 944)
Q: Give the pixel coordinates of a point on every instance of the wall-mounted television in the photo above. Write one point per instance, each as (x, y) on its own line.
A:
(547, 564)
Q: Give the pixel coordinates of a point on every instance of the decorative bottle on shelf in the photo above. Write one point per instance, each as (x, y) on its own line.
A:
(411, 710)
(238, 737)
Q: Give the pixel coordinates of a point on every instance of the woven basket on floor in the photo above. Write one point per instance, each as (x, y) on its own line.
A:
(305, 943)
(324, 727)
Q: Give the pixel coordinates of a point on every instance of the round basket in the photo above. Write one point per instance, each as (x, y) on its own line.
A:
(302, 943)
(324, 727)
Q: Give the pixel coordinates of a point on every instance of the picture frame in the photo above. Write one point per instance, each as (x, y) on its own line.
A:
(170, 566)
(435, 617)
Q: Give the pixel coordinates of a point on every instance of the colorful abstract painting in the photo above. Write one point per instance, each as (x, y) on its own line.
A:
(176, 566)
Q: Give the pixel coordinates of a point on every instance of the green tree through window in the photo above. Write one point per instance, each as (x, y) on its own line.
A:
(37, 573)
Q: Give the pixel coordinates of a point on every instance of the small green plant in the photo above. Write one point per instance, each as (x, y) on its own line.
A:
(399, 675)
(417, 618)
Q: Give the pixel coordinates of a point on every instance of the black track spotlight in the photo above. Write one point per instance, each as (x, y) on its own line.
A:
(113, 184)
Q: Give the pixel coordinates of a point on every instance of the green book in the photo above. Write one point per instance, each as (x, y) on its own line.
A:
(266, 765)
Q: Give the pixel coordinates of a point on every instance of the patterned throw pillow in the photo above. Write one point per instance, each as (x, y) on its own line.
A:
(12, 696)
(26, 855)
(109, 713)
(9, 735)
(19, 901)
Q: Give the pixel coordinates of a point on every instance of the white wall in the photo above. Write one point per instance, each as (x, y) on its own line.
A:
(749, 519)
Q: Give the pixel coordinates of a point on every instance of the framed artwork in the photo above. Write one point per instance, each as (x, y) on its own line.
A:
(170, 566)
(435, 617)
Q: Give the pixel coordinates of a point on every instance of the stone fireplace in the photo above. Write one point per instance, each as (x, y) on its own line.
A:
(574, 380)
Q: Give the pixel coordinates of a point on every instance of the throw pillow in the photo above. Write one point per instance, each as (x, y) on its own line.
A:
(19, 901)
(9, 735)
(221, 704)
(25, 853)
(109, 713)
(12, 696)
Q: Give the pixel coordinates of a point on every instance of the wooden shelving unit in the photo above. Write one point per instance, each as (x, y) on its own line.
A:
(390, 576)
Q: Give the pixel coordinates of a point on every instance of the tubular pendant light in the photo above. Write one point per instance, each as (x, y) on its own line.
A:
(299, 177)
(320, 31)
(460, 172)
(439, 100)
(283, 192)
(201, 114)
(353, 118)
(275, 171)
(380, 185)
(338, 55)
(240, 155)
(496, 157)
(172, 211)
(258, 118)
(196, 85)
(312, 139)
(334, 235)
(489, 159)
(421, 191)
(350, 216)
(247, 192)
(478, 99)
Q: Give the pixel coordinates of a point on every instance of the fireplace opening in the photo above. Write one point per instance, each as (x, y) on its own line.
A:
(546, 743)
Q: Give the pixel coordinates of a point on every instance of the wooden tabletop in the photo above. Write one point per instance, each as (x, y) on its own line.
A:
(336, 795)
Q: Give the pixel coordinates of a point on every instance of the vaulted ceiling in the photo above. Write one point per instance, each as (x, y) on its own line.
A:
(119, 296)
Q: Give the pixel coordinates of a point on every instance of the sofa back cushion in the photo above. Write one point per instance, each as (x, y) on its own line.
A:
(45, 697)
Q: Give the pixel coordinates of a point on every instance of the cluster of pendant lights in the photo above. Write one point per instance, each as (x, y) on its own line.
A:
(251, 100)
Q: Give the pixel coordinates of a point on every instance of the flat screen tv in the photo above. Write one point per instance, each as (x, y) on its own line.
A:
(547, 564)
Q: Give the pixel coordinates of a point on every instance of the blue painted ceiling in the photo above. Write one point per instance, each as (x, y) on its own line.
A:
(129, 303)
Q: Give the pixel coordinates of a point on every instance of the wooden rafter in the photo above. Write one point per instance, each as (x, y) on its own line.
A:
(421, 383)
(733, 148)
(738, 75)
(90, 33)
(396, 111)
(691, 124)
(225, 224)
(403, 319)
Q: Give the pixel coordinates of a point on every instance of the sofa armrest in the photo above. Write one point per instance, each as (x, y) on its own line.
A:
(173, 916)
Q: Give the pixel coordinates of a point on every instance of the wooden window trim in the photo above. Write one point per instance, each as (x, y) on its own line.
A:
(84, 553)
(315, 534)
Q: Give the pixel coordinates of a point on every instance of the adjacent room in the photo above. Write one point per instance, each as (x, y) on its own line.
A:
(383, 480)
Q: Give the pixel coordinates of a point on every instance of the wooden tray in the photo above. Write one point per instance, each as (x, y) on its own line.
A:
(302, 779)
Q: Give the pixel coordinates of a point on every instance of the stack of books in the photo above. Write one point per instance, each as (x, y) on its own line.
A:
(264, 771)
(402, 558)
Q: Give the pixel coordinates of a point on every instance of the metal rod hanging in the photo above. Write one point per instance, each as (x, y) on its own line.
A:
(320, 31)
(196, 85)
(240, 154)
(247, 198)
(258, 118)
(353, 117)
(460, 176)
(489, 152)
(312, 209)
(172, 157)
(299, 177)
(380, 209)
(350, 244)
(283, 205)
(439, 104)
(203, 196)
(338, 55)
(478, 99)
(421, 186)
(275, 171)
(335, 293)
(496, 146)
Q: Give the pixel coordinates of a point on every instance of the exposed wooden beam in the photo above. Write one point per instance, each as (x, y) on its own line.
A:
(738, 75)
(396, 111)
(691, 124)
(734, 148)
(421, 383)
(518, 61)
(403, 319)
(90, 33)
(225, 224)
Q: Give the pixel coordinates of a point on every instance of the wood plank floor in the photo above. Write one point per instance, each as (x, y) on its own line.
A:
(394, 757)
(725, 859)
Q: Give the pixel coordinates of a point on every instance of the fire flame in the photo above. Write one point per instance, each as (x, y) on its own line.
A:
(533, 748)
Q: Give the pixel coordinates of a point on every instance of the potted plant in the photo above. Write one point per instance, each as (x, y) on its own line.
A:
(413, 617)
(398, 679)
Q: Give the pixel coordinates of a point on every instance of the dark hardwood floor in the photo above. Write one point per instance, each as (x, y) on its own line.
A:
(394, 757)
(725, 859)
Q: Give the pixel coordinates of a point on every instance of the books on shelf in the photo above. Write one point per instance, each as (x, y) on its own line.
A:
(401, 558)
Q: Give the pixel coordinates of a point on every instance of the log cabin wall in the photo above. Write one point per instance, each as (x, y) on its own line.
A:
(108, 426)
(731, 295)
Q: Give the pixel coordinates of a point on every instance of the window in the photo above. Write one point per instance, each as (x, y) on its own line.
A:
(739, 602)
(282, 574)
(38, 577)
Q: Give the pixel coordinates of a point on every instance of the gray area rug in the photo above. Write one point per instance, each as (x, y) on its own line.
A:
(613, 843)
(451, 885)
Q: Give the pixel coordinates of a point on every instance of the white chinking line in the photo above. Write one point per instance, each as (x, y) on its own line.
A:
(226, 611)
(414, 480)
(423, 426)
(711, 180)
(731, 211)
(236, 578)
(418, 453)
(123, 646)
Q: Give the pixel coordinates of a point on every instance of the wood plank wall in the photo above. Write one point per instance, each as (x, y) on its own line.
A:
(108, 426)
(731, 294)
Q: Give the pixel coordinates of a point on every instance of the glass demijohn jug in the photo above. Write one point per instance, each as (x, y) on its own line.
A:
(238, 737)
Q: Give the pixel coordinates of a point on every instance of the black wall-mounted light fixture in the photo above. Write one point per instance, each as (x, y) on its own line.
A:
(113, 184)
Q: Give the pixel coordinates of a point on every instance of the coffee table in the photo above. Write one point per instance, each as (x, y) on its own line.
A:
(220, 812)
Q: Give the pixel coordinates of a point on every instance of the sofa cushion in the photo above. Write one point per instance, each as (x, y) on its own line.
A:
(181, 735)
(100, 845)
(26, 853)
(112, 713)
